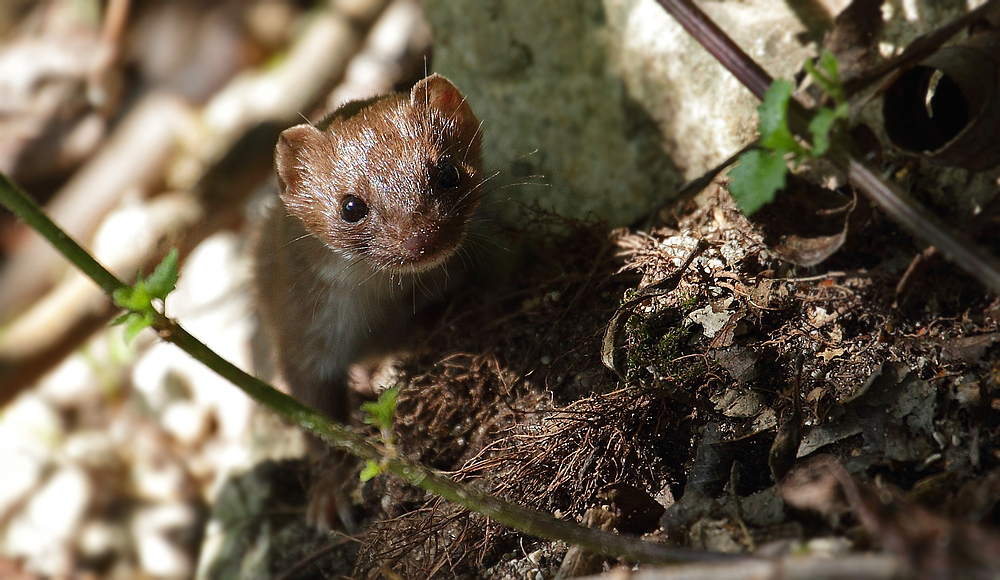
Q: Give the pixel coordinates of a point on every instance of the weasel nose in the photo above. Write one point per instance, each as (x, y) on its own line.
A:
(421, 243)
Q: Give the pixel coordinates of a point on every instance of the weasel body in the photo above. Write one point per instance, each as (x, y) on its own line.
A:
(372, 208)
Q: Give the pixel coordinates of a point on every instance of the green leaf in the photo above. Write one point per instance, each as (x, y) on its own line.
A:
(827, 76)
(828, 62)
(381, 412)
(821, 125)
(123, 296)
(135, 323)
(136, 298)
(121, 319)
(371, 470)
(759, 175)
(163, 280)
(774, 131)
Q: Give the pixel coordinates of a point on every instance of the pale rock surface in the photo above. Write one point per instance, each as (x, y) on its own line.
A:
(211, 303)
(29, 431)
(621, 104)
(42, 533)
(539, 77)
(72, 381)
(159, 554)
(704, 113)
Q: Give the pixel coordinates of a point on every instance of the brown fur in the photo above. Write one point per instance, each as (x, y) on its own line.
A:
(331, 291)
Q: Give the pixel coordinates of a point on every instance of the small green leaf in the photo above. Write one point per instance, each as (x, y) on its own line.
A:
(371, 470)
(821, 125)
(827, 76)
(136, 298)
(774, 131)
(123, 296)
(828, 62)
(381, 412)
(820, 129)
(120, 320)
(163, 280)
(135, 323)
(759, 175)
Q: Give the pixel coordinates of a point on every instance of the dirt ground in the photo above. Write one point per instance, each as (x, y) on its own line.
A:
(738, 369)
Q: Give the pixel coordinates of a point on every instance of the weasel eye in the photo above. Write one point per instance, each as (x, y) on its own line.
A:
(353, 210)
(448, 175)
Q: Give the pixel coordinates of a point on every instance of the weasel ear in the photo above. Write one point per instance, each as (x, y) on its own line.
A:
(293, 156)
(437, 92)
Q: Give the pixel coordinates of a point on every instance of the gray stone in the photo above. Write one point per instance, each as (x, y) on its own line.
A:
(614, 95)
(257, 529)
(703, 112)
(538, 76)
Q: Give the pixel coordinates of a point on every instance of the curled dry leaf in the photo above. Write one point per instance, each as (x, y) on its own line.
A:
(806, 223)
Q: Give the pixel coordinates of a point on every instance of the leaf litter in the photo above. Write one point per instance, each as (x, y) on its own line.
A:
(897, 395)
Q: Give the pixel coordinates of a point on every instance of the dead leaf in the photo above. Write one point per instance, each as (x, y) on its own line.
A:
(806, 223)
(739, 362)
(830, 354)
(934, 546)
(970, 349)
(638, 513)
(852, 39)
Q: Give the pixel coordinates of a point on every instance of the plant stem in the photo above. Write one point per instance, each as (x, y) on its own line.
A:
(28, 211)
(909, 213)
(718, 44)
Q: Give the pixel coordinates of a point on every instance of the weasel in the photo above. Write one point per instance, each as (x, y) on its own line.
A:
(374, 202)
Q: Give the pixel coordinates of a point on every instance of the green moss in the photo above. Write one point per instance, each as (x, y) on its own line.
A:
(688, 302)
(656, 345)
(656, 350)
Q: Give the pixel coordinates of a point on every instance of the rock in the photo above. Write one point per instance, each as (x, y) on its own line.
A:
(538, 75)
(29, 431)
(42, 533)
(156, 474)
(257, 528)
(72, 382)
(156, 529)
(211, 304)
(101, 541)
(703, 112)
(187, 422)
(91, 448)
(620, 102)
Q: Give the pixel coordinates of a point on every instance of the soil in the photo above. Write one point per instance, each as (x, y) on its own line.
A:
(742, 370)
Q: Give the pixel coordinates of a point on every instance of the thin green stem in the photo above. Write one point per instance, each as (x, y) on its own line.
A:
(28, 211)
(520, 518)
